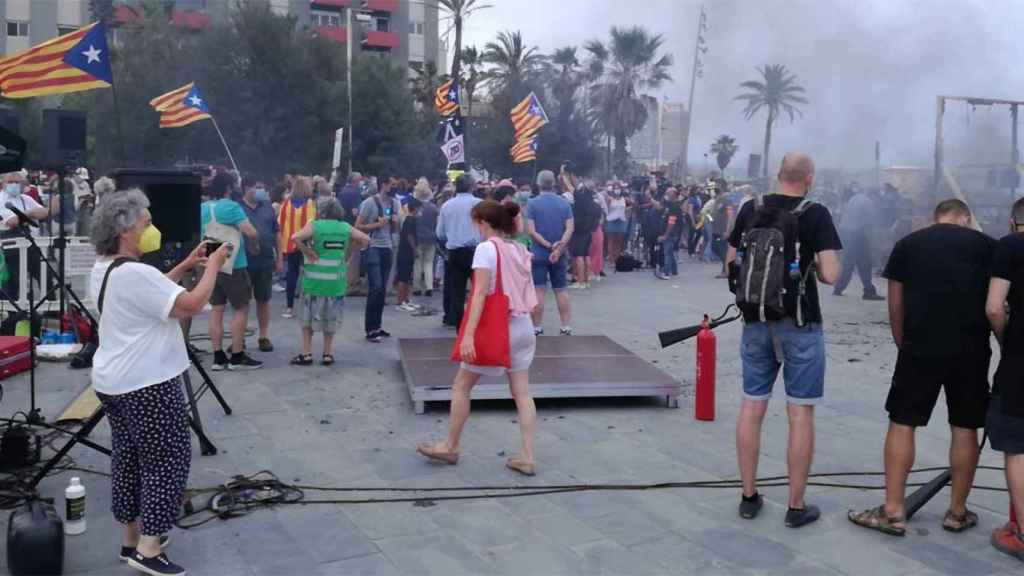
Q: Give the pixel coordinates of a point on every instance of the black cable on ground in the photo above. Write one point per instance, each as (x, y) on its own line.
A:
(243, 494)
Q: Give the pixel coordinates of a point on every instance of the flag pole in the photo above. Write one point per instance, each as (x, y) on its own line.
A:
(225, 143)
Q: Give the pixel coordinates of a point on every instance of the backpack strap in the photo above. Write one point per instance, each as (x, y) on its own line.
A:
(103, 288)
(811, 267)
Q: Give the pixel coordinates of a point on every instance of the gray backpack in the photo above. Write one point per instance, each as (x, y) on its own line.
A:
(769, 257)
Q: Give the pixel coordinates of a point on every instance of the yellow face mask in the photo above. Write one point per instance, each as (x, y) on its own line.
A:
(150, 240)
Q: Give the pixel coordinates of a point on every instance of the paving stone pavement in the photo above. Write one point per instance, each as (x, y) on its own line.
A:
(353, 425)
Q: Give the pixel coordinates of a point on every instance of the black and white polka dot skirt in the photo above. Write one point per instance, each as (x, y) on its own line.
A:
(152, 453)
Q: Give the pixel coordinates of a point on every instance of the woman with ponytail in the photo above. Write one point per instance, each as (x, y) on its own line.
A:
(497, 223)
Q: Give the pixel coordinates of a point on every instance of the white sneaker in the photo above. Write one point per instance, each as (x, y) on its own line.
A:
(565, 331)
(577, 286)
(538, 331)
(279, 288)
(407, 307)
(287, 313)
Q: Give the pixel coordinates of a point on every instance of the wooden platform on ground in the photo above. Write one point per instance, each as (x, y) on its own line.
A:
(564, 367)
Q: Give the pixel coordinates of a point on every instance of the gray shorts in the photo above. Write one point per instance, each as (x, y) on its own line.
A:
(523, 344)
(322, 313)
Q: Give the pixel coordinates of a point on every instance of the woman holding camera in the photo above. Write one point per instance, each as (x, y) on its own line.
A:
(137, 369)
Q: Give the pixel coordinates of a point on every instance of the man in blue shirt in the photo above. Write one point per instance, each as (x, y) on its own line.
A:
(550, 224)
(264, 257)
(458, 234)
(233, 287)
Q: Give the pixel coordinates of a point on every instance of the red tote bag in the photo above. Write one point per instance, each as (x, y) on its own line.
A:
(491, 339)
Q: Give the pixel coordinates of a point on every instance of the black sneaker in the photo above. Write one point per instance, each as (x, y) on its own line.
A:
(873, 298)
(429, 293)
(417, 293)
(750, 507)
(383, 333)
(156, 566)
(127, 551)
(220, 361)
(373, 337)
(797, 517)
(242, 361)
(265, 345)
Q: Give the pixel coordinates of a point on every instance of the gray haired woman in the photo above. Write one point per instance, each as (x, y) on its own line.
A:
(324, 243)
(136, 372)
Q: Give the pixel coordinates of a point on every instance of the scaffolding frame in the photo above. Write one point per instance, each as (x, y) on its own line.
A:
(940, 168)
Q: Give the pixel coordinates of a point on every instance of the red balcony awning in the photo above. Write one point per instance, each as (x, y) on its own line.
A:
(375, 39)
(382, 5)
(190, 19)
(328, 4)
(339, 35)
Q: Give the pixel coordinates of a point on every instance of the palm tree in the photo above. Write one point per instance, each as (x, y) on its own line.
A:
(724, 148)
(512, 64)
(424, 85)
(458, 11)
(565, 80)
(624, 71)
(471, 59)
(776, 91)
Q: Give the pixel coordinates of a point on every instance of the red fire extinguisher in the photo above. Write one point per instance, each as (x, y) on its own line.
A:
(704, 403)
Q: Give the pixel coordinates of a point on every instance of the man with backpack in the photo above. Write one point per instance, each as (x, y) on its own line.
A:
(778, 250)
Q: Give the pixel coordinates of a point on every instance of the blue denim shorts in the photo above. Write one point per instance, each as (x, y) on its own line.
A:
(800, 352)
(557, 272)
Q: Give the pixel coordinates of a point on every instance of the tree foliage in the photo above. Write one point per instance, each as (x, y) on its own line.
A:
(777, 92)
(277, 92)
(724, 148)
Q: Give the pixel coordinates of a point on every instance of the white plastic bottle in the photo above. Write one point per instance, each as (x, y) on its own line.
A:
(74, 507)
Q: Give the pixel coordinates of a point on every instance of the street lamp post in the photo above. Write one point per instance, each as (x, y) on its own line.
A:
(361, 16)
(698, 72)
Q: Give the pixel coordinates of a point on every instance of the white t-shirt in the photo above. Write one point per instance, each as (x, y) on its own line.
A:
(23, 202)
(140, 344)
(616, 208)
(486, 256)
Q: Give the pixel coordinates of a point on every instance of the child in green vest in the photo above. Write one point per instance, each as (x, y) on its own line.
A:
(324, 243)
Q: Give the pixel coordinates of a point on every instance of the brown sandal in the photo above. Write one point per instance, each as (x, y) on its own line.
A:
(427, 449)
(954, 523)
(877, 519)
(522, 466)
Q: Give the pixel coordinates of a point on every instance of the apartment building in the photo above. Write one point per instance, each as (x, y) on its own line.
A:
(405, 31)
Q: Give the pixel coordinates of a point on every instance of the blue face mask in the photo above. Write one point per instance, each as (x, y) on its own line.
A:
(261, 195)
(12, 189)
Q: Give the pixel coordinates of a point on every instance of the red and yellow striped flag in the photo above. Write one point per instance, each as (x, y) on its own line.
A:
(180, 107)
(70, 63)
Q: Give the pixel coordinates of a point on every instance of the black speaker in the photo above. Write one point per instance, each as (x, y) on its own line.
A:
(64, 137)
(35, 540)
(174, 199)
(10, 121)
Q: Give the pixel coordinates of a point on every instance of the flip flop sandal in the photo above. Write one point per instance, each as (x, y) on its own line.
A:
(427, 449)
(522, 466)
(302, 360)
(328, 359)
(877, 519)
(955, 523)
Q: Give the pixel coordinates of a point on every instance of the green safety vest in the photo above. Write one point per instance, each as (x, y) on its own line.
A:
(328, 275)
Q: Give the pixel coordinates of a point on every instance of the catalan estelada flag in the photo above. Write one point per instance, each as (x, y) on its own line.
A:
(446, 99)
(180, 107)
(70, 63)
(528, 116)
(525, 150)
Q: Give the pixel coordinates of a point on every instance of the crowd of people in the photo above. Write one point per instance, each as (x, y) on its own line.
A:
(320, 240)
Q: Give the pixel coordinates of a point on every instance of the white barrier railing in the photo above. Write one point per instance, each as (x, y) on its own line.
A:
(78, 262)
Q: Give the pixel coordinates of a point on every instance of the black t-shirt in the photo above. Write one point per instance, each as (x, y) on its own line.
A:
(944, 270)
(817, 233)
(407, 235)
(674, 217)
(1008, 264)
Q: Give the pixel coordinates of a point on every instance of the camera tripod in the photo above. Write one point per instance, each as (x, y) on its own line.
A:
(81, 436)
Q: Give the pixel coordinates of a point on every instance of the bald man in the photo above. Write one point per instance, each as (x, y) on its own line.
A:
(768, 346)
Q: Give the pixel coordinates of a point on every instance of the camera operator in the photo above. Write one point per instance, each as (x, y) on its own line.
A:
(136, 372)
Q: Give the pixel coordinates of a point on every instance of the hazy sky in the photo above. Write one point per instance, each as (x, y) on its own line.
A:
(872, 68)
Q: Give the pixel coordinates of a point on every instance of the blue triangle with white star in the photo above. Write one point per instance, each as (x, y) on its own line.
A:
(194, 100)
(91, 55)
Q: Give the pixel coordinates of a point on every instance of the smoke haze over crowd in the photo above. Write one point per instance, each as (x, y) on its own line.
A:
(872, 68)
